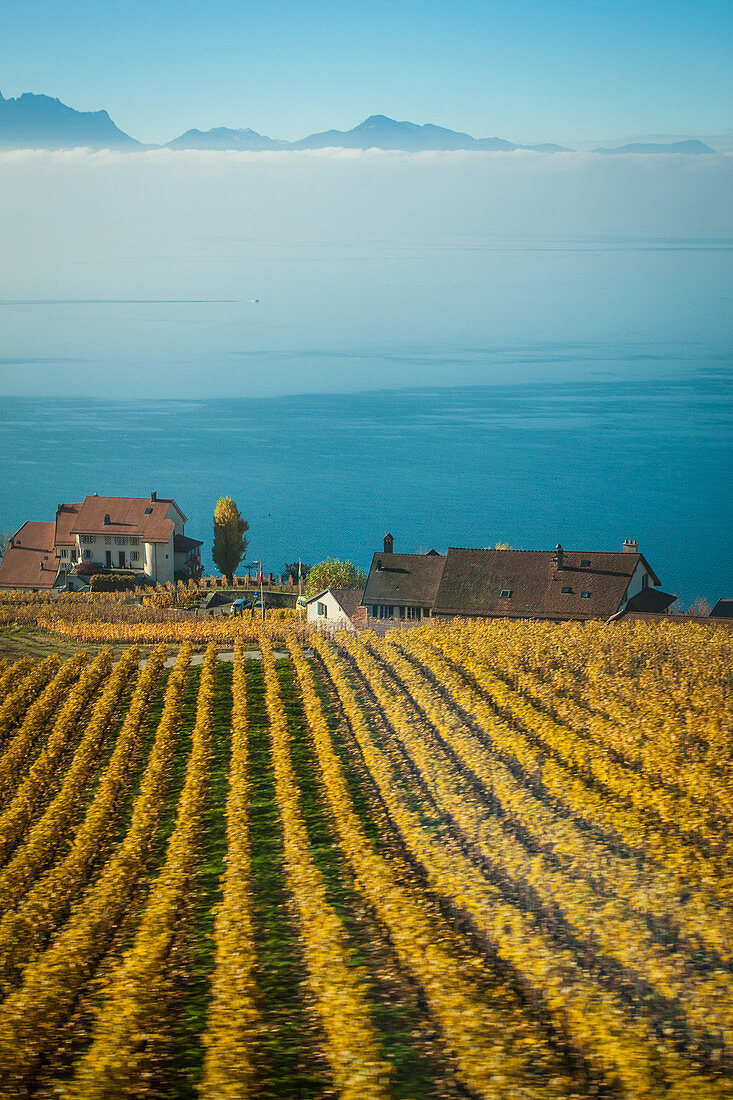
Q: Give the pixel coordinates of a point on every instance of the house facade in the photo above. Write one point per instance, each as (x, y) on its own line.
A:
(523, 584)
(141, 534)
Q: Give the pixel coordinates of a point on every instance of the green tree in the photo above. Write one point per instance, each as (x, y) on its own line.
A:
(333, 573)
(230, 541)
(292, 568)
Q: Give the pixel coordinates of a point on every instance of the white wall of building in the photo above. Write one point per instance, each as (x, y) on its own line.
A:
(176, 517)
(160, 561)
(636, 584)
(326, 610)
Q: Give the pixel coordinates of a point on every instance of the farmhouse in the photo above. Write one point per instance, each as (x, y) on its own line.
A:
(520, 584)
(141, 534)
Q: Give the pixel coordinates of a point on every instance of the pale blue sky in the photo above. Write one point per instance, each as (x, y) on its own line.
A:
(529, 70)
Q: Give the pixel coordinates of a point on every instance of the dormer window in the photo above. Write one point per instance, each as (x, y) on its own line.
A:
(584, 562)
(566, 589)
(505, 593)
(148, 511)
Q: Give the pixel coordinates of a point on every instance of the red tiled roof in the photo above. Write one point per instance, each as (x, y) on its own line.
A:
(473, 580)
(141, 516)
(30, 561)
(65, 519)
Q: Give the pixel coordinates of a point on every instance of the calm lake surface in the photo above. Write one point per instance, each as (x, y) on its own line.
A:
(587, 465)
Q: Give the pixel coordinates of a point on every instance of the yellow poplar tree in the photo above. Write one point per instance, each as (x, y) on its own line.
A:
(230, 541)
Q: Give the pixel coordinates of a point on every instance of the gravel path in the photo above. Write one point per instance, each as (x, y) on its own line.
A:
(224, 655)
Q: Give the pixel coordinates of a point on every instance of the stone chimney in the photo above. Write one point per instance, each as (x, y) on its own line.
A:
(557, 557)
(107, 520)
(388, 544)
(153, 496)
(631, 546)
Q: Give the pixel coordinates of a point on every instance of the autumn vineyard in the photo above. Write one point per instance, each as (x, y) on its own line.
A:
(469, 859)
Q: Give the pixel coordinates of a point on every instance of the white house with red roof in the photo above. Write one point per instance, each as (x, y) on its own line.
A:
(144, 534)
(138, 533)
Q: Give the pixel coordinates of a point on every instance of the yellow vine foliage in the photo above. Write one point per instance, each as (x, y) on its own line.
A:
(129, 1014)
(553, 875)
(229, 1039)
(352, 1046)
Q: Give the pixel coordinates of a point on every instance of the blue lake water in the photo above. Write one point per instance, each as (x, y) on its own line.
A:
(584, 464)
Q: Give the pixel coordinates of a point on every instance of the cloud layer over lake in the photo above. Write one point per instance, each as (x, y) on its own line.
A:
(221, 272)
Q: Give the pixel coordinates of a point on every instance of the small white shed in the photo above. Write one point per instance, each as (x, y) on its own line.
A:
(333, 607)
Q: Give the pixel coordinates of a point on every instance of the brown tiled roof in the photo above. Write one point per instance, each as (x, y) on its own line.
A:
(404, 580)
(30, 562)
(66, 515)
(650, 599)
(139, 516)
(347, 598)
(182, 543)
(472, 582)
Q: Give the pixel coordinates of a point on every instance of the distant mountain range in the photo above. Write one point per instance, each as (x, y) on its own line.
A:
(39, 122)
(692, 146)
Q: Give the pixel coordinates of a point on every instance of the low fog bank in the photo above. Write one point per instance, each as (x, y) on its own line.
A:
(211, 273)
(297, 196)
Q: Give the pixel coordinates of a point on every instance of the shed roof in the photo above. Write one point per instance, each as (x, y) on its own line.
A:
(408, 580)
(652, 600)
(141, 516)
(182, 544)
(473, 580)
(30, 561)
